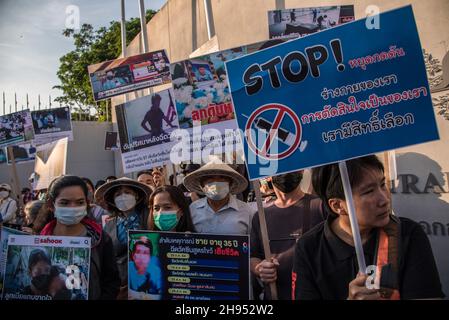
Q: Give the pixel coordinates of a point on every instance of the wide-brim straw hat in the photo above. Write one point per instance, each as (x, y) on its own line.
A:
(192, 180)
(142, 189)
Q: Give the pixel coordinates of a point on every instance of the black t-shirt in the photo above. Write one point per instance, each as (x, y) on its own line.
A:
(325, 265)
(285, 226)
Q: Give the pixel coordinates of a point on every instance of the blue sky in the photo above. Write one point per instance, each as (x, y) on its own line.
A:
(31, 42)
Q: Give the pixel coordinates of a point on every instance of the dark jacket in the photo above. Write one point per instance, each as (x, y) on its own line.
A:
(104, 280)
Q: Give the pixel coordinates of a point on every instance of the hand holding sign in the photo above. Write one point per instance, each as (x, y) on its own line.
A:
(378, 98)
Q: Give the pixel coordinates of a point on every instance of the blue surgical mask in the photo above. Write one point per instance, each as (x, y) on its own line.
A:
(70, 215)
(166, 220)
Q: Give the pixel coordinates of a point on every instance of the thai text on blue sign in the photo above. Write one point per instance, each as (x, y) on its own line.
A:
(332, 96)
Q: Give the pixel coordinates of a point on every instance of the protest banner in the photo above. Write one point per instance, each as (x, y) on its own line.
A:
(22, 153)
(187, 266)
(299, 22)
(203, 101)
(328, 97)
(4, 234)
(116, 77)
(52, 124)
(111, 141)
(144, 127)
(47, 268)
(50, 163)
(16, 128)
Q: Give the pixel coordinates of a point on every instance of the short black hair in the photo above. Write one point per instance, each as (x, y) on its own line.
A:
(144, 172)
(327, 182)
(65, 181)
(36, 256)
(25, 190)
(99, 184)
(89, 182)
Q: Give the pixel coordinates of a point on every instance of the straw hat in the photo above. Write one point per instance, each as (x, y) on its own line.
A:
(192, 180)
(142, 189)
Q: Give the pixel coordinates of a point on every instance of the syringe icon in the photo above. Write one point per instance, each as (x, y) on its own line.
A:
(282, 135)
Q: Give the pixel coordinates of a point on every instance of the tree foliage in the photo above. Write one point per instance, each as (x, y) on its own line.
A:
(91, 46)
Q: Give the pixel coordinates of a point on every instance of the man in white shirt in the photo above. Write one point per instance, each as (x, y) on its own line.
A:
(220, 211)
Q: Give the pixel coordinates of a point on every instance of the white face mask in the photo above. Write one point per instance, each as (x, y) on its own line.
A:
(70, 215)
(4, 194)
(216, 190)
(125, 202)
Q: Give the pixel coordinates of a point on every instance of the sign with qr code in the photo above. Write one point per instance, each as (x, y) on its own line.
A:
(46, 268)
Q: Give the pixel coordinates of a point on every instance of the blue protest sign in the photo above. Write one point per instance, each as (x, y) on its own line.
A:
(346, 92)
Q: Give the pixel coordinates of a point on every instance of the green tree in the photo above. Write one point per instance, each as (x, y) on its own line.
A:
(91, 46)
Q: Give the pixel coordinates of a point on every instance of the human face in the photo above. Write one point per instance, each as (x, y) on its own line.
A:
(202, 71)
(158, 178)
(146, 179)
(163, 202)
(141, 257)
(215, 179)
(372, 201)
(4, 193)
(126, 190)
(40, 268)
(72, 196)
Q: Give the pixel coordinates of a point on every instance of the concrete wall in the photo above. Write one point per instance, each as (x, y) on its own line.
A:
(180, 25)
(180, 28)
(86, 156)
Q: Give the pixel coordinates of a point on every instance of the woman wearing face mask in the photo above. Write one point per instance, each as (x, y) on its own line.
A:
(68, 203)
(169, 210)
(126, 200)
(8, 206)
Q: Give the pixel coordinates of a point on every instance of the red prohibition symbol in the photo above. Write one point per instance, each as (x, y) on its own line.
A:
(282, 111)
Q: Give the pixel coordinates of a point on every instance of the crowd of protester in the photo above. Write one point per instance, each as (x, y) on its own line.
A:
(310, 235)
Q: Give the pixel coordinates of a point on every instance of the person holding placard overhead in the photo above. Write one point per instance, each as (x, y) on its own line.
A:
(398, 255)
